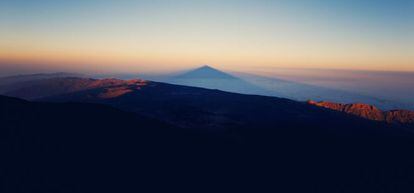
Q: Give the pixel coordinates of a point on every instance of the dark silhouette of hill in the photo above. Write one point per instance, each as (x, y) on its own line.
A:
(75, 147)
(180, 136)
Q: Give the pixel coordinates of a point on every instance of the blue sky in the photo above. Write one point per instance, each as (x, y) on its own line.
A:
(135, 35)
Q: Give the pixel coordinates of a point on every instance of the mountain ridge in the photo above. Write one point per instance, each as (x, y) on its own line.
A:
(101, 89)
(56, 86)
(222, 112)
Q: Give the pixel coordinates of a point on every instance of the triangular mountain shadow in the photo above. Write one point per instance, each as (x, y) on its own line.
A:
(205, 72)
(211, 78)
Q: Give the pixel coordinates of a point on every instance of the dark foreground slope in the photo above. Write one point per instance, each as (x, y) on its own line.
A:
(91, 148)
(74, 147)
(228, 140)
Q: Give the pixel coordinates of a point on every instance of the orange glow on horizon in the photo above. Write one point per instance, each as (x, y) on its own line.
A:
(135, 36)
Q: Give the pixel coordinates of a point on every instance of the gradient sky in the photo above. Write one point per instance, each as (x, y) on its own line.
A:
(160, 35)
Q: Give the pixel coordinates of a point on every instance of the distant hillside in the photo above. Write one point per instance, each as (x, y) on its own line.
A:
(11, 83)
(33, 77)
(56, 86)
(181, 105)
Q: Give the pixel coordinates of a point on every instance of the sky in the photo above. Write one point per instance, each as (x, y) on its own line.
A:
(243, 35)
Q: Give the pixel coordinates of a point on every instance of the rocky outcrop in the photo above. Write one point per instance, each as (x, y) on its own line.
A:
(400, 116)
(369, 112)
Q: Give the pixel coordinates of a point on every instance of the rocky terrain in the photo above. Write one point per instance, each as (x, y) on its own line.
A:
(369, 112)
